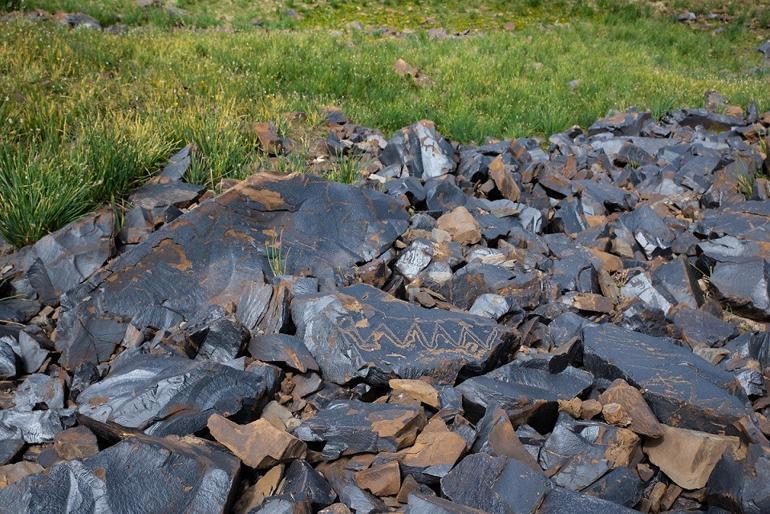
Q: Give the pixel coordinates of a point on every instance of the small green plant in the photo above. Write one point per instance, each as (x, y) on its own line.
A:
(346, 170)
(275, 256)
(746, 185)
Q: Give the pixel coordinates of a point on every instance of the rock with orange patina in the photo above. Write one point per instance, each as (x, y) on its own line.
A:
(283, 348)
(363, 332)
(269, 140)
(215, 254)
(640, 417)
(75, 443)
(688, 457)
(435, 450)
(380, 479)
(347, 427)
(255, 495)
(259, 444)
(504, 180)
(461, 226)
(11, 473)
(416, 389)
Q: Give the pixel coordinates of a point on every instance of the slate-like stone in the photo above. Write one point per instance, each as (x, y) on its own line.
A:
(173, 395)
(627, 123)
(744, 286)
(178, 164)
(621, 485)
(10, 449)
(303, 483)
(363, 332)
(38, 390)
(33, 427)
(559, 500)
(495, 484)
(285, 349)
(212, 254)
(140, 474)
(581, 452)
(347, 427)
(524, 386)
(424, 504)
(421, 150)
(8, 361)
(681, 388)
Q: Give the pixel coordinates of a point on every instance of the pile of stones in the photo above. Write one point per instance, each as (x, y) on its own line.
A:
(522, 326)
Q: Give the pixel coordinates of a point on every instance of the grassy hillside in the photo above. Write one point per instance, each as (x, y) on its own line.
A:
(86, 115)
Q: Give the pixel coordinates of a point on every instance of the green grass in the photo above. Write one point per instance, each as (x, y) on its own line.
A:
(85, 116)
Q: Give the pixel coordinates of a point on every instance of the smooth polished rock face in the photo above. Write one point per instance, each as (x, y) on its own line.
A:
(362, 332)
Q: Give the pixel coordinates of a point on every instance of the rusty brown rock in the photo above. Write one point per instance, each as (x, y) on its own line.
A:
(504, 179)
(688, 457)
(573, 407)
(590, 409)
(435, 446)
(615, 414)
(255, 495)
(461, 225)
(641, 418)
(75, 443)
(268, 137)
(592, 302)
(381, 480)
(11, 473)
(259, 444)
(417, 389)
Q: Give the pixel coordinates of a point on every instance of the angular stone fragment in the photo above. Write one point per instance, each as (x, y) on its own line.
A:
(363, 332)
(283, 348)
(259, 444)
(140, 474)
(269, 141)
(435, 450)
(504, 180)
(627, 123)
(495, 484)
(417, 389)
(497, 437)
(421, 150)
(33, 427)
(38, 390)
(489, 305)
(75, 443)
(580, 452)
(461, 225)
(255, 495)
(687, 456)
(621, 485)
(424, 504)
(12, 473)
(744, 286)
(560, 500)
(699, 328)
(681, 388)
(641, 419)
(380, 479)
(9, 448)
(174, 395)
(524, 386)
(348, 427)
(212, 254)
(221, 341)
(31, 354)
(7, 359)
(177, 165)
(303, 483)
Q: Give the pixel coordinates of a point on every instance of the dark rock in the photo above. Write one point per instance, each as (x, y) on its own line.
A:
(139, 474)
(421, 150)
(303, 483)
(744, 286)
(581, 452)
(10, 449)
(31, 355)
(495, 484)
(221, 341)
(523, 387)
(34, 427)
(621, 485)
(226, 240)
(77, 20)
(39, 390)
(284, 349)
(178, 165)
(699, 328)
(7, 358)
(347, 427)
(363, 332)
(681, 388)
(649, 230)
(75, 443)
(173, 395)
(424, 504)
(627, 123)
(560, 500)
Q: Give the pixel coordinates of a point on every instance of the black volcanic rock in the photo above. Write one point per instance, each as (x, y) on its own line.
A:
(363, 332)
(140, 474)
(681, 388)
(211, 255)
(164, 395)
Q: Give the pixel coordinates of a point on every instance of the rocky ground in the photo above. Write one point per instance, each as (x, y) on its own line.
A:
(576, 325)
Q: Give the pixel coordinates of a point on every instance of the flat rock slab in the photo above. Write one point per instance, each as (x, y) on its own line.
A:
(362, 332)
(211, 255)
(348, 427)
(140, 474)
(173, 395)
(495, 484)
(681, 388)
(523, 386)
